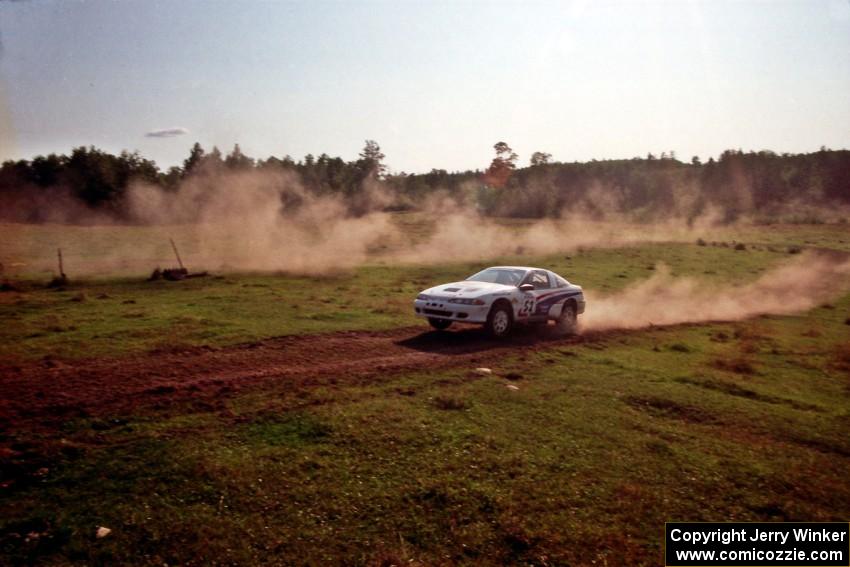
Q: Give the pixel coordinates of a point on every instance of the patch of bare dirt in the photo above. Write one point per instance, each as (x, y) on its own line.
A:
(660, 407)
(46, 393)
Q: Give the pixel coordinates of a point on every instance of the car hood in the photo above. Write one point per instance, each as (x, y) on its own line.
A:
(467, 289)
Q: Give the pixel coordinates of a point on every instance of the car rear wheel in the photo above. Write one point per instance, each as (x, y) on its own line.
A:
(439, 324)
(500, 321)
(568, 321)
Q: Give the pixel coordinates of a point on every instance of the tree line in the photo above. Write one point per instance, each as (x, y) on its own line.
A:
(90, 180)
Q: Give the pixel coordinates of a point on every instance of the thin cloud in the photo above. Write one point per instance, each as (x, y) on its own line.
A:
(167, 133)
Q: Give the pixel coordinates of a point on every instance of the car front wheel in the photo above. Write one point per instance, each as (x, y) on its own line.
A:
(500, 321)
(439, 324)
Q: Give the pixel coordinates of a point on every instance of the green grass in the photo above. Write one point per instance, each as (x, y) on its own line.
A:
(113, 317)
(104, 314)
(600, 444)
(781, 236)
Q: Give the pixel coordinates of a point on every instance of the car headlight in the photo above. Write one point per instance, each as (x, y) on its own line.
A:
(465, 301)
(423, 297)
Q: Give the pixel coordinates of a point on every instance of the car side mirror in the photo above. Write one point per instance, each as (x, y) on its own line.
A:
(527, 287)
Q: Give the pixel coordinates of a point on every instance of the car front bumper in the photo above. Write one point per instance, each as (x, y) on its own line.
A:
(436, 308)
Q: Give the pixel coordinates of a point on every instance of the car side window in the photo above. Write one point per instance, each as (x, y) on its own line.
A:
(559, 281)
(540, 280)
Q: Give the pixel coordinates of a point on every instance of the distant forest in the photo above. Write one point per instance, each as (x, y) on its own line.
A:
(91, 183)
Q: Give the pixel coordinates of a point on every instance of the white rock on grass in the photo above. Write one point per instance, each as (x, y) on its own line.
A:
(511, 387)
(483, 370)
(102, 532)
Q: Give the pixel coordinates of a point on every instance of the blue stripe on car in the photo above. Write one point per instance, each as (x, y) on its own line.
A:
(543, 306)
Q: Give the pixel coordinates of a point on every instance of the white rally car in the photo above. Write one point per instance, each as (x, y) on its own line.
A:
(502, 296)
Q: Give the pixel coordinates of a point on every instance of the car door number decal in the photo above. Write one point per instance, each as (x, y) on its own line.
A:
(527, 307)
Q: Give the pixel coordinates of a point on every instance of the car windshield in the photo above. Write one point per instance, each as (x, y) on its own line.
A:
(505, 276)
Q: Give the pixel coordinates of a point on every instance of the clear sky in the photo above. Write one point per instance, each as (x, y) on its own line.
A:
(435, 83)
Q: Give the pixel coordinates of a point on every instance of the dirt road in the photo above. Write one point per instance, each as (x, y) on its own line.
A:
(52, 391)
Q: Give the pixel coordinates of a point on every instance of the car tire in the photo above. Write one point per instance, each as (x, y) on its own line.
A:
(439, 324)
(567, 323)
(500, 321)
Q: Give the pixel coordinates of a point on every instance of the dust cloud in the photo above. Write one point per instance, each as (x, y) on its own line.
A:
(466, 236)
(806, 281)
(266, 221)
(263, 222)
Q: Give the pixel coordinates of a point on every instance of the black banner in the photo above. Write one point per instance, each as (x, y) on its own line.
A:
(694, 544)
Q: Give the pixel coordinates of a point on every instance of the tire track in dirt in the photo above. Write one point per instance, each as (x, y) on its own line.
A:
(50, 392)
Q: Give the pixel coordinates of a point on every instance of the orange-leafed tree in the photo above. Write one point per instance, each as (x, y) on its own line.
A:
(502, 166)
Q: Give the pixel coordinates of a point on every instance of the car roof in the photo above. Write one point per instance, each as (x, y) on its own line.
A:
(526, 268)
(514, 268)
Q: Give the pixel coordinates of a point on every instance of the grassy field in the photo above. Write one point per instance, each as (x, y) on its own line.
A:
(569, 453)
(102, 317)
(113, 316)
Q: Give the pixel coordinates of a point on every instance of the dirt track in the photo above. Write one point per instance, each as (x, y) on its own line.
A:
(51, 391)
